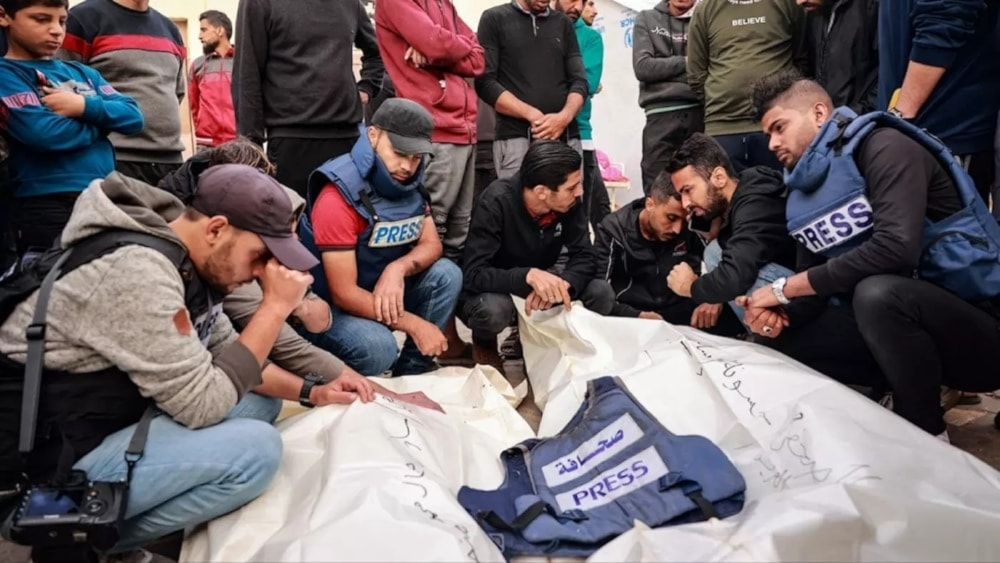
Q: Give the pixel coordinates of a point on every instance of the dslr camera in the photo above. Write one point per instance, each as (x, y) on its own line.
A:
(79, 512)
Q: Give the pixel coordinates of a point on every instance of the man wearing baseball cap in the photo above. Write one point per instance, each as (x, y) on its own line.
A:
(381, 254)
(124, 325)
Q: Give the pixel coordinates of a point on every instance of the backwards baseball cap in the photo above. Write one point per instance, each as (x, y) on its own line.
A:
(255, 202)
(408, 124)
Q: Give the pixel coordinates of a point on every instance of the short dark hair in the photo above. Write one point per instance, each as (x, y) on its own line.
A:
(241, 151)
(218, 19)
(769, 91)
(11, 7)
(703, 153)
(548, 163)
(662, 189)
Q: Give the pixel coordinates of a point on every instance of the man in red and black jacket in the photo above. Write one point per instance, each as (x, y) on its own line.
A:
(210, 82)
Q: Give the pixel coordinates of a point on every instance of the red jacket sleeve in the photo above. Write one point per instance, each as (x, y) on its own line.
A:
(442, 47)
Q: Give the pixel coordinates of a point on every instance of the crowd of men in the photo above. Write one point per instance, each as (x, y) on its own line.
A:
(460, 171)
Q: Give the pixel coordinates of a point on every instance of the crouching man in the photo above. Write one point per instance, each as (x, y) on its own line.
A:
(904, 238)
(519, 228)
(637, 246)
(141, 325)
(381, 254)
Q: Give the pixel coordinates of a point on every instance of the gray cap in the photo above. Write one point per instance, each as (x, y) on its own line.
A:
(255, 202)
(408, 124)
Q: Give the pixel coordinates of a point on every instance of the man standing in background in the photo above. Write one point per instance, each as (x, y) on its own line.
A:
(210, 82)
(293, 83)
(843, 50)
(140, 52)
(534, 77)
(731, 44)
(659, 58)
(939, 67)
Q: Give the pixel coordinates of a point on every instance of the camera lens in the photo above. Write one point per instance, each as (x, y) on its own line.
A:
(96, 507)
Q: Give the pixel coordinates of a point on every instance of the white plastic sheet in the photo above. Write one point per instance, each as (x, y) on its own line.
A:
(830, 475)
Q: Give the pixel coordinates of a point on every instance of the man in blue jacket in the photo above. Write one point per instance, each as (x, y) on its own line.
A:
(939, 67)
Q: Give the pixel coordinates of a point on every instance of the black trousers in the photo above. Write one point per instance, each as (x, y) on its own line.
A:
(486, 172)
(595, 193)
(295, 159)
(924, 337)
(148, 172)
(662, 135)
(488, 314)
(38, 222)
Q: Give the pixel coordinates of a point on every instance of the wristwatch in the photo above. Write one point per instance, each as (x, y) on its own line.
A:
(311, 381)
(896, 113)
(778, 288)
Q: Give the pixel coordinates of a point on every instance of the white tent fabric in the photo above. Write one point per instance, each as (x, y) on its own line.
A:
(830, 475)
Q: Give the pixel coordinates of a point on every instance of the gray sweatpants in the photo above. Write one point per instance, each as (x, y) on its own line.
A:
(450, 180)
(509, 153)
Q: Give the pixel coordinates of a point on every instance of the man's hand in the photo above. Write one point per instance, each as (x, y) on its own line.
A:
(680, 279)
(388, 293)
(428, 338)
(549, 287)
(364, 97)
(66, 104)
(282, 288)
(651, 316)
(764, 297)
(535, 302)
(344, 390)
(706, 315)
(767, 322)
(551, 126)
(314, 314)
(416, 57)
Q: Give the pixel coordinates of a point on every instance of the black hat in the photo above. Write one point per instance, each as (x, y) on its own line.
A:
(408, 124)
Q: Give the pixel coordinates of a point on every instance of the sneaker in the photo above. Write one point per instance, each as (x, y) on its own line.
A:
(510, 348)
(136, 556)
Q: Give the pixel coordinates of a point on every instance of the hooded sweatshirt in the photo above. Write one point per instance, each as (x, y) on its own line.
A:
(126, 309)
(659, 51)
(753, 234)
(637, 268)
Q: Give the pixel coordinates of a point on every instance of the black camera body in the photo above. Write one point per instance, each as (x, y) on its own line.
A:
(86, 513)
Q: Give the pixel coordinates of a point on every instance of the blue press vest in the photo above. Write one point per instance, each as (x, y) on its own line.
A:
(829, 213)
(394, 225)
(612, 464)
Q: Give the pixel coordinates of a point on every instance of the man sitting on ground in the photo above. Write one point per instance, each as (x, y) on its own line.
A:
(519, 227)
(125, 329)
(381, 254)
(637, 246)
(866, 198)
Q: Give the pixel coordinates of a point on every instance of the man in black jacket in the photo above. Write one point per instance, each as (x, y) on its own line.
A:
(637, 246)
(519, 227)
(753, 249)
(293, 80)
(842, 36)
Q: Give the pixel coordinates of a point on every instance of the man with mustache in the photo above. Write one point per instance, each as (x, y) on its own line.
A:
(210, 82)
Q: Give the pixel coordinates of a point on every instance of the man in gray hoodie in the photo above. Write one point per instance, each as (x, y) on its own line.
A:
(125, 313)
(659, 58)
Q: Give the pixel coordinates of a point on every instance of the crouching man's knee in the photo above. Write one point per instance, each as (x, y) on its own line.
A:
(599, 297)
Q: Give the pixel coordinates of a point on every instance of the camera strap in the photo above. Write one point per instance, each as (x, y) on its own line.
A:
(34, 364)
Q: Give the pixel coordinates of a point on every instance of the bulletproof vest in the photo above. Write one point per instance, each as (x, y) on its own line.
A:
(77, 411)
(612, 464)
(393, 225)
(829, 213)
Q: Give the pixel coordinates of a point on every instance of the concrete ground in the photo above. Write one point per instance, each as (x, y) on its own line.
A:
(969, 428)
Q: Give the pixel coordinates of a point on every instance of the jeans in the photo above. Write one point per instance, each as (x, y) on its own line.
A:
(924, 337)
(189, 476)
(488, 314)
(369, 347)
(767, 274)
(748, 150)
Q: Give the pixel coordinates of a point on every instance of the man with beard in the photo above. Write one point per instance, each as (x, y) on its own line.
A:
(637, 246)
(382, 265)
(534, 77)
(123, 333)
(519, 228)
(210, 82)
